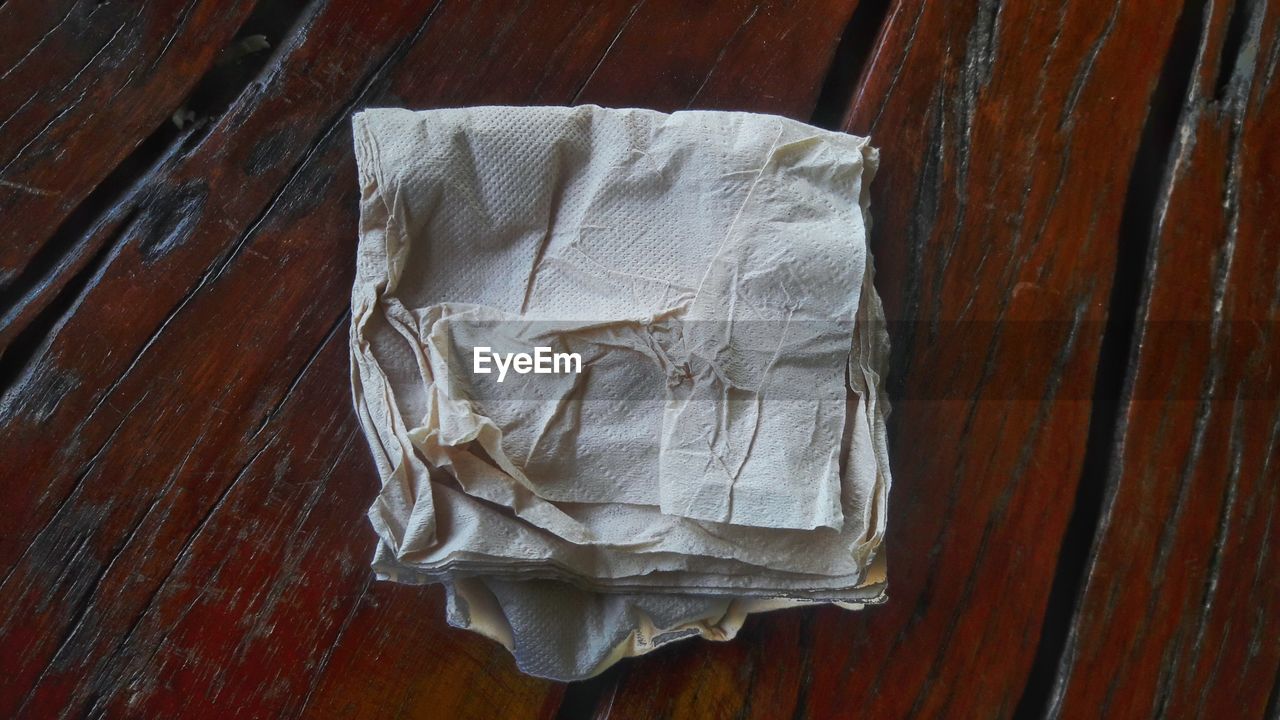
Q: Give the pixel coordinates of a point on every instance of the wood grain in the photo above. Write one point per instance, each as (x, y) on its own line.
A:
(85, 93)
(768, 57)
(88, 546)
(1181, 611)
(197, 543)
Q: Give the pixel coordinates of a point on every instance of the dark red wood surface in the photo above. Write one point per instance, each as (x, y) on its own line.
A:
(1074, 231)
(1181, 610)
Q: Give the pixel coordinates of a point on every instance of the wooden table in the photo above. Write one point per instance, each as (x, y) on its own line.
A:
(1077, 231)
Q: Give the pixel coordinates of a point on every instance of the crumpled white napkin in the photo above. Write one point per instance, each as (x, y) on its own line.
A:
(722, 451)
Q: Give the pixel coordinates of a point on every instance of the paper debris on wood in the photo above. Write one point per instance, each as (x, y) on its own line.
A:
(721, 448)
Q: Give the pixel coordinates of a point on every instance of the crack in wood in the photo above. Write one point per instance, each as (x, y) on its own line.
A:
(56, 273)
(1161, 155)
(848, 63)
(608, 49)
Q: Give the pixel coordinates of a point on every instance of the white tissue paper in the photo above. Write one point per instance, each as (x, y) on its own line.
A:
(721, 450)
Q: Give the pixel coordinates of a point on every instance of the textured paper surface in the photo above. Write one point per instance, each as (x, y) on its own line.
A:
(723, 451)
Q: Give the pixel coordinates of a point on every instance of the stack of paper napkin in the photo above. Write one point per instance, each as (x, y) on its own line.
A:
(717, 449)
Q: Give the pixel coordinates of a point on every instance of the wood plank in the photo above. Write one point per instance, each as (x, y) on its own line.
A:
(174, 420)
(1181, 611)
(771, 57)
(86, 547)
(23, 25)
(1007, 132)
(85, 94)
(164, 241)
